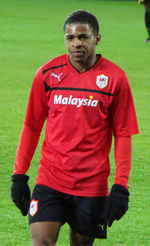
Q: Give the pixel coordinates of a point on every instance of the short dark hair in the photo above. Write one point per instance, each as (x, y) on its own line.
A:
(84, 17)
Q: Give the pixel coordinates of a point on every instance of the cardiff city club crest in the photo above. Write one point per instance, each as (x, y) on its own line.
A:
(33, 207)
(102, 81)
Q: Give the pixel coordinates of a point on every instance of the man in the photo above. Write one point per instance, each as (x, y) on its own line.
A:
(85, 98)
(147, 17)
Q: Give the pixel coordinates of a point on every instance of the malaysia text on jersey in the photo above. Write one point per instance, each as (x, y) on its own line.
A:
(82, 111)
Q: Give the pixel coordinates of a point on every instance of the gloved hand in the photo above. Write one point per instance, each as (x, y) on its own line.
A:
(20, 192)
(117, 203)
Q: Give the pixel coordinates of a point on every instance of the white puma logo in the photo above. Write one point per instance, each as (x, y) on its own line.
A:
(56, 76)
(102, 226)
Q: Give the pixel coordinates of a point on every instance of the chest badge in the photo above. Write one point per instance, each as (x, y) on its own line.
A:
(102, 81)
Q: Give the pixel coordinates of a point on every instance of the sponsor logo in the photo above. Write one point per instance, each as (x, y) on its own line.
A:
(33, 207)
(78, 102)
(102, 81)
(56, 76)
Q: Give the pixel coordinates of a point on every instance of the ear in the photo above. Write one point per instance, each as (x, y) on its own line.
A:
(97, 39)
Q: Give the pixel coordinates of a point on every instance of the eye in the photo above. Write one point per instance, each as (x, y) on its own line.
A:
(84, 37)
(69, 38)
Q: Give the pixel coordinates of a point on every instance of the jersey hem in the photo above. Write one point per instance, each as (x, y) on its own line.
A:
(75, 192)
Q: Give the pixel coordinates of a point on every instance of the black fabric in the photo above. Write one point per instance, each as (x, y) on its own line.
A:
(83, 214)
(117, 203)
(147, 21)
(20, 192)
(146, 2)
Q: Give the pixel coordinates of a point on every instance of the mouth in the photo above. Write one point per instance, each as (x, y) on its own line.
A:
(78, 53)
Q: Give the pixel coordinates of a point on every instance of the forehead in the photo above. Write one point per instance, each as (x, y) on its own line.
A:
(78, 28)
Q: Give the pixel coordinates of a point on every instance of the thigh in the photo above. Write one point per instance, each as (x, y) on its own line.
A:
(86, 217)
(44, 233)
(77, 239)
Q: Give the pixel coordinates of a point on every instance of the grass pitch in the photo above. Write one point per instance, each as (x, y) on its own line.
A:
(31, 34)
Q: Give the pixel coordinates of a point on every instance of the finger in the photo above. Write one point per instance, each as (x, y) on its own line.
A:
(110, 223)
(106, 209)
(21, 207)
(24, 212)
(26, 204)
(112, 217)
(120, 214)
(26, 199)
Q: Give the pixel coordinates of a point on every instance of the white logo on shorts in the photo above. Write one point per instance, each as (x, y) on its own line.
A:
(33, 207)
(102, 226)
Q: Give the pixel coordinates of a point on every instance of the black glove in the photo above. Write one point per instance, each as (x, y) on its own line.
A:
(117, 203)
(20, 192)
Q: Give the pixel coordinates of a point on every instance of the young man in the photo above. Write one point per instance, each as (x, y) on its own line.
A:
(147, 17)
(85, 98)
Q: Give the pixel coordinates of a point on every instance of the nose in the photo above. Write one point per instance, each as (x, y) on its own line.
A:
(76, 42)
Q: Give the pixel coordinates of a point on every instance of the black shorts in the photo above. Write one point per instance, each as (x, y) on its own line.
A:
(83, 214)
(146, 2)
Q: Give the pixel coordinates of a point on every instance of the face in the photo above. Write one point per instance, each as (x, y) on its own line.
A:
(80, 43)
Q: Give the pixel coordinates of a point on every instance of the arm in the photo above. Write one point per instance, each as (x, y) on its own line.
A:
(122, 160)
(26, 148)
(36, 114)
(117, 203)
(124, 124)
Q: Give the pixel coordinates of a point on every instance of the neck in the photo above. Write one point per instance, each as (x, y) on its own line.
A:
(82, 66)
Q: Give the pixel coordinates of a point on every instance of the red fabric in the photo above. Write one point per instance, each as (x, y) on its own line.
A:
(123, 151)
(25, 151)
(82, 111)
(37, 108)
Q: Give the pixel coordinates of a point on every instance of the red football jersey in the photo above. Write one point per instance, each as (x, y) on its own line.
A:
(83, 110)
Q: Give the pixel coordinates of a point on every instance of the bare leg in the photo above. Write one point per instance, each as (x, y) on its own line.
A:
(77, 239)
(44, 233)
